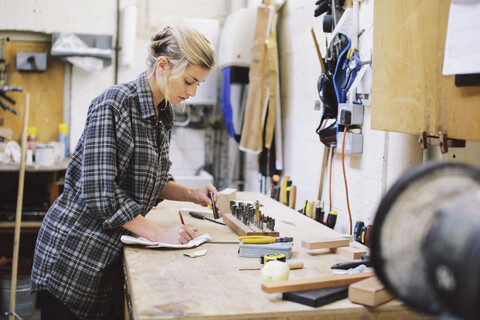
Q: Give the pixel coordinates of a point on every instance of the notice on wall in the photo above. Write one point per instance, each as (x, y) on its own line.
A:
(462, 45)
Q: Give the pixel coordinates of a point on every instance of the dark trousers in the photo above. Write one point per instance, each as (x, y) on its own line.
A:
(53, 309)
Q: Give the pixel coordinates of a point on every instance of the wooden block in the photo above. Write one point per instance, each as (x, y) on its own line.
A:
(350, 252)
(326, 243)
(369, 292)
(348, 236)
(224, 198)
(242, 230)
(314, 283)
(358, 245)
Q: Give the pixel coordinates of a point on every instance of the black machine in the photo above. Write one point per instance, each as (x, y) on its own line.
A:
(425, 244)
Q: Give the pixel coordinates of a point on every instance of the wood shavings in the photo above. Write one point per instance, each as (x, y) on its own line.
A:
(197, 253)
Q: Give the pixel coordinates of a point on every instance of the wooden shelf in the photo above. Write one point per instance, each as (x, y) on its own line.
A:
(26, 226)
(12, 167)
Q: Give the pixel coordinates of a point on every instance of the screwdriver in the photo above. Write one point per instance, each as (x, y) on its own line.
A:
(202, 217)
(214, 207)
(332, 219)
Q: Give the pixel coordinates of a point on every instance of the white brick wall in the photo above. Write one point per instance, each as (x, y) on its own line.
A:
(385, 157)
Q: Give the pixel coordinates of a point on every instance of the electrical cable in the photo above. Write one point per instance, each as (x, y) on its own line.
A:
(345, 177)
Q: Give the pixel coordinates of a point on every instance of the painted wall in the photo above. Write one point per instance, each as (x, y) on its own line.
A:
(100, 17)
(385, 157)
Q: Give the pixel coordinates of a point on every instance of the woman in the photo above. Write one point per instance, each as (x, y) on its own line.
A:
(118, 172)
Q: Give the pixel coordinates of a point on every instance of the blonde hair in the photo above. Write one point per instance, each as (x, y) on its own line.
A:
(183, 46)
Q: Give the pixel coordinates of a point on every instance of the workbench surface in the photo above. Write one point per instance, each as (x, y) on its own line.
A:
(165, 284)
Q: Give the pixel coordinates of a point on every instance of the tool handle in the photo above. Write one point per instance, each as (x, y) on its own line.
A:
(322, 62)
(295, 264)
(197, 215)
(7, 88)
(350, 264)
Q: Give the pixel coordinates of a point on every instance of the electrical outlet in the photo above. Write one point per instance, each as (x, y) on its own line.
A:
(353, 142)
(351, 112)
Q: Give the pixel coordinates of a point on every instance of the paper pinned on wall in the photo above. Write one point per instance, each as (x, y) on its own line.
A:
(462, 45)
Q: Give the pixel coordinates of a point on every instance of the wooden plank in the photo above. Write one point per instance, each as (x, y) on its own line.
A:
(257, 99)
(18, 216)
(326, 243)
(369, 292)
(350, 252)
(409, 92)
(224, 198)
(242, 230)
(314, 283)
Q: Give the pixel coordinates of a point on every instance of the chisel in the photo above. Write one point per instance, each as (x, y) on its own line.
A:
(214, 207)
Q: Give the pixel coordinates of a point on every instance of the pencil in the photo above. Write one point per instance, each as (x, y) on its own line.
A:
(181, 217)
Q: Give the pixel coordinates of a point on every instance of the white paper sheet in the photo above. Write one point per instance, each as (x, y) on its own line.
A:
(462, 45)
(149, 244)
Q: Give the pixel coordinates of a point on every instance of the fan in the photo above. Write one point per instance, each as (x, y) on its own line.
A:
(425, 243)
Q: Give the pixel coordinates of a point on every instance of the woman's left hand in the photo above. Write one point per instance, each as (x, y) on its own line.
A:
(202, 195)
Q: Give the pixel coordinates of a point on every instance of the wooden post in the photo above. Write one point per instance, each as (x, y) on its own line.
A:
(18, 216)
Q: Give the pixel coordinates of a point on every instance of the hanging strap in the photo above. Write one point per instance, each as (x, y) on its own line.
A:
(225, 101)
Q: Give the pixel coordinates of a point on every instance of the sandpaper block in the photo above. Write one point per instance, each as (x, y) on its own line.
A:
(317, 297)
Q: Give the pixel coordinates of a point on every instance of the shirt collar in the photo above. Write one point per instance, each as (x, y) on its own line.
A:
(147, 106)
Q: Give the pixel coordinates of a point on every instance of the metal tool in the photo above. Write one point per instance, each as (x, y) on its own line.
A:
(3, 90)
(249, 213)
(256, 250)
(332, 219)
(264, 239)
(365, 235)
(357, 231)
(202, 217)
(214, 207)
(257, 239)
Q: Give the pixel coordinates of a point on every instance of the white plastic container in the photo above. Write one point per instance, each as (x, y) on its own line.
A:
(45, 155)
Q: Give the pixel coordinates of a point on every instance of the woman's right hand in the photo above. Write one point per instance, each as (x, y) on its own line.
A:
(175, 234)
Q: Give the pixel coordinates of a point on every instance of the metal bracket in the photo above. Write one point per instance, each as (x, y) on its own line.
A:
(13, 314)
(443, 142)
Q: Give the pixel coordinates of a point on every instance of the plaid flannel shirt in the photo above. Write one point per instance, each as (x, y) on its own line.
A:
(118, 169)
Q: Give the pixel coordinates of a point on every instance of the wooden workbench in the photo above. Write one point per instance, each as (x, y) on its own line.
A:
(165, 284)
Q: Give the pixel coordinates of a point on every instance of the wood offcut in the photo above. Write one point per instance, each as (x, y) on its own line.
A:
(314, 283)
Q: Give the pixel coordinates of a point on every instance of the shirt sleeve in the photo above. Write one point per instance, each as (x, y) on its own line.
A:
(105, 135)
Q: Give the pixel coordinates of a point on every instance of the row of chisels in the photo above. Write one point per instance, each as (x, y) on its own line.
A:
(250, 214)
